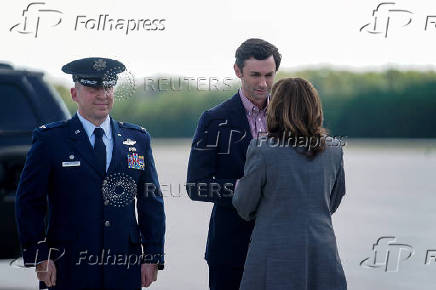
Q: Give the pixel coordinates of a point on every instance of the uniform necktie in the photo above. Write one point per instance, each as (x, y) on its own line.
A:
(100, 150)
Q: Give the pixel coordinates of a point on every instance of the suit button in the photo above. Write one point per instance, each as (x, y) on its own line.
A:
(106, 202)
(107, 224)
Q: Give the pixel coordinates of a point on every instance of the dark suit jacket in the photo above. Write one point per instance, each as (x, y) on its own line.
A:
(216, 161)
(90, 214)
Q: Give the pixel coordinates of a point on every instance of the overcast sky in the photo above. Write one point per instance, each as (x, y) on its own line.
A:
(199, 38)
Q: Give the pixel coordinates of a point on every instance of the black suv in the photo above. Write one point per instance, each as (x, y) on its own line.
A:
(26, 102)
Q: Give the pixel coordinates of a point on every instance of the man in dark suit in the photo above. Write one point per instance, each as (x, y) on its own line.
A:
(75, 205)
(218, 155)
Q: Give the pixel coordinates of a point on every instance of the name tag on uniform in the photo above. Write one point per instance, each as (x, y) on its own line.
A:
(71, 164)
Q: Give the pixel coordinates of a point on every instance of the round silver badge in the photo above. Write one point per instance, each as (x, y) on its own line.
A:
(122, 84)
(119, 190)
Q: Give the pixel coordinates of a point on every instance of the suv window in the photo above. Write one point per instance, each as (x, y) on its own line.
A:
(16, 113)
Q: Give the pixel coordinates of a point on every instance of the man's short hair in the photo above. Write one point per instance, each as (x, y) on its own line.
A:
(257, 48)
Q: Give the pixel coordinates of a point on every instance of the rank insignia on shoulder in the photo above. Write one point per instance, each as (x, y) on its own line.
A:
(129, 142)
(53, 125)
(135, 161)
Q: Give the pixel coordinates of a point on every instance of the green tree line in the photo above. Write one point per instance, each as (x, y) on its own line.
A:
(385, 104)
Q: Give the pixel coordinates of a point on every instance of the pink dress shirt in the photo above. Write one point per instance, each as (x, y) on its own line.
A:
(256, 117)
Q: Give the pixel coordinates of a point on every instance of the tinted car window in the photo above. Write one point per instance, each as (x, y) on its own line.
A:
(15, 109)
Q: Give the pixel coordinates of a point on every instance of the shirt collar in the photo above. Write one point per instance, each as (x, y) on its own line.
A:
(89, 127)
(249, 106)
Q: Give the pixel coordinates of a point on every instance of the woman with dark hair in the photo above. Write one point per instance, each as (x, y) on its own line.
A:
(293, 182)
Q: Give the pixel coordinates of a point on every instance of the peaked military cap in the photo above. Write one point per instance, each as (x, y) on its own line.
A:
(95, 71)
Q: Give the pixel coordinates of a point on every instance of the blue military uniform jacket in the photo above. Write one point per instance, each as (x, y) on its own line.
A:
(216, 161)
(68, 210)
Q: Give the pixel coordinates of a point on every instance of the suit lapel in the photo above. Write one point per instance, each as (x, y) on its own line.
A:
(239, 119)
(239, 116)
(81, 143)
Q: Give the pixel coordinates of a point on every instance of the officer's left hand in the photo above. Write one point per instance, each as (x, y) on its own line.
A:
(148, 274)
(46, 272)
